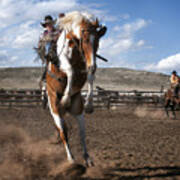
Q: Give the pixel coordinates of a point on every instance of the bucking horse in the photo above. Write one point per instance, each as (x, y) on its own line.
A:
(65, 77)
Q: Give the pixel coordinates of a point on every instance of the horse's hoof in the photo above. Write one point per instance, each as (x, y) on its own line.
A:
(89, 110)
(73, 171)
(89, 163)
(71, 161)
(88, 160)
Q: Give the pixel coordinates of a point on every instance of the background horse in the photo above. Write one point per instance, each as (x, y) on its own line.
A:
(171, 102)
(76, 49)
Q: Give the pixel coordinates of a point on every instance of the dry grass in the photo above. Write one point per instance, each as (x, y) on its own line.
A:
(108, 78)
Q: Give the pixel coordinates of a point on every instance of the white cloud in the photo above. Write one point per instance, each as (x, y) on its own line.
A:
(166, 65)
(140, 43)
(122, 39)
(3, 53)
(16, 11)
(20, 28)
(27, 36)
(130, 29)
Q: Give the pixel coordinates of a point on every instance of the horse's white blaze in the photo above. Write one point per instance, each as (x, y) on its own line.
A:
(90, 78)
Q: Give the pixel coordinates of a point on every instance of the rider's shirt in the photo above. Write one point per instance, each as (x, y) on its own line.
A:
(174, 80)
(48, 36)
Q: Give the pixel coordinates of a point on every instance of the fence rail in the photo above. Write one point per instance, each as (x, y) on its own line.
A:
(101, 98)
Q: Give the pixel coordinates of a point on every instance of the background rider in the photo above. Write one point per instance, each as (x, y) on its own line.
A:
(175, 83)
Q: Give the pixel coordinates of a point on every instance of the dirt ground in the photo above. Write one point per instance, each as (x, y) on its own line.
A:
(124, 143)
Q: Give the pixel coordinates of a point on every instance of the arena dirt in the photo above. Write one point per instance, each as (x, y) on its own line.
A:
(124, 144)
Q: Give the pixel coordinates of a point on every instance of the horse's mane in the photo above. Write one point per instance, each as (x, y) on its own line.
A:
(75, 18)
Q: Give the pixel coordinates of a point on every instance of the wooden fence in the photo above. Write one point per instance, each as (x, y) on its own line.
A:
(101, 98)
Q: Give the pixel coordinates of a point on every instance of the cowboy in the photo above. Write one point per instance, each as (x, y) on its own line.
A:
(49, 35)
(47, 48)
(175, 83)
(47, 43)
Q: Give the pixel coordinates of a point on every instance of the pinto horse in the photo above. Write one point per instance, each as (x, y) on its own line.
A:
(76, 49)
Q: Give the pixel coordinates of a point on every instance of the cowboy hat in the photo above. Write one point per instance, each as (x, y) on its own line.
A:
(174, 72)
(48, 20)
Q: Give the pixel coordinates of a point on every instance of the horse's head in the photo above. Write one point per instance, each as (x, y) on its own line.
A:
(90, 34)
(87, 31)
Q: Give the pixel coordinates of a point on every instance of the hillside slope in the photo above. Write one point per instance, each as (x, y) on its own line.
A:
(108, 78)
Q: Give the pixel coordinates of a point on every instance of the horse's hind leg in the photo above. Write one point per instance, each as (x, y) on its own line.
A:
(77, 111)
(60, 124)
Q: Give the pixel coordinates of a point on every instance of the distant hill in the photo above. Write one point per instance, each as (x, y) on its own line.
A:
(108, 78)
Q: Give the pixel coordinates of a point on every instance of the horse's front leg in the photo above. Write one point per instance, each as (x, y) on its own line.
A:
(76, 111)
(64, 52)
(66, 67)
(66, 98)
(89, 97)
(81, 123)
(60, 124)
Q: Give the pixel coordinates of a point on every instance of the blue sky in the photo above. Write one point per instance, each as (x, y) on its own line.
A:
(142, 34)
